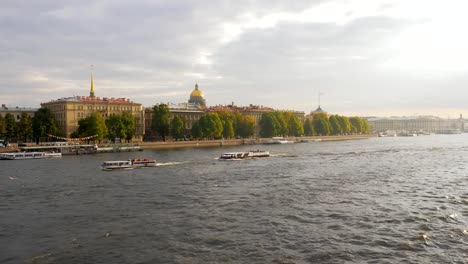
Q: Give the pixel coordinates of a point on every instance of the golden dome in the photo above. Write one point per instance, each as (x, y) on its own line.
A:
(196, 92)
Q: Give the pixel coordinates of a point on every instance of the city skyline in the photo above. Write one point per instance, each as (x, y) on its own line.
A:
(366, 58)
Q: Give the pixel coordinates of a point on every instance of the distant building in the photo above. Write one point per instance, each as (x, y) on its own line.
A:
(197, 98)
(431, 124)
(319, 110)
(68, 111)
(17, 111)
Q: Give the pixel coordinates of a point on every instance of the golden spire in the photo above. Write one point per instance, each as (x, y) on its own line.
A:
(91, 93)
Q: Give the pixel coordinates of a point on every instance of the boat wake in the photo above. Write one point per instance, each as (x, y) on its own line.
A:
(171, 163)
(284, 155)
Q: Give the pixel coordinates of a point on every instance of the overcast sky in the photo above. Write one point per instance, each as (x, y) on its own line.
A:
(366, 57)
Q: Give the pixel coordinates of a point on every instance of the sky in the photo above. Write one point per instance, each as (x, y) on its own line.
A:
(359, 57)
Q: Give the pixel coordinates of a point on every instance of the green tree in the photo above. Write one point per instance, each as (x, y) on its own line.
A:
(94, 125)
(178, 127)
(24, 127)
(211, 126)
(129, 123)
(269, 125)
(345, 124)
(321, 124)
(335, 125)
(161, 120)
(2, 126)
(282, 128)
(115, 127)
(308, 127)
(227, 119)
(10, 126)
(44, 123)
(366, 127)
(295, 126)
(356, 124)
(196, 130)
(245, 126)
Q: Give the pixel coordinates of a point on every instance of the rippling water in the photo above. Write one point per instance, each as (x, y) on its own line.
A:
(381, 200)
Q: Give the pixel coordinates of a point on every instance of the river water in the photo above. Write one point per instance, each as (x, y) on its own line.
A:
(379, 200)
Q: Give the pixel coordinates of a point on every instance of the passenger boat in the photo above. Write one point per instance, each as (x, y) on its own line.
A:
(234, 156)
(244, 155)
(259, 154)
(137, 163)
(29, 155)
(128, 164)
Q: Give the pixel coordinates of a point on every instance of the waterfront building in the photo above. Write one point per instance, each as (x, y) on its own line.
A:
(17, 111)
(430, 124)
(68, 111)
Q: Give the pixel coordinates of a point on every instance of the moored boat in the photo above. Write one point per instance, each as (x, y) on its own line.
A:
(29, 155)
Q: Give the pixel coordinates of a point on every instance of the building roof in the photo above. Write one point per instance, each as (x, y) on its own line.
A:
(196, 92)
(85, 99)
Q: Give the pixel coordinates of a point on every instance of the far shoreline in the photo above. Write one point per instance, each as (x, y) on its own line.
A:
(240, 142)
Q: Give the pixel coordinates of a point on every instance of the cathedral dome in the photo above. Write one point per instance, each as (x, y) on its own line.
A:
(196, 92)
(196, 97)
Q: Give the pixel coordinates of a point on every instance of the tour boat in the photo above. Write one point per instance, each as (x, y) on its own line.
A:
(234, 156)
(128, 164)
(29, 155)
(259, 154)
(141, 163)
(244, 155)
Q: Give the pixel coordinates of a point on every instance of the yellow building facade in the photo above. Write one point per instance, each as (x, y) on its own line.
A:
(68, 111)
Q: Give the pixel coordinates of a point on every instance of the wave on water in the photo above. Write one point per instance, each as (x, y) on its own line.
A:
(171, 163)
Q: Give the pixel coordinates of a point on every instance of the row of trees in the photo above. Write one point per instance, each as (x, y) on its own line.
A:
(42, 124)
(227, 124)
(280, 124)
(114, 127)
(324, 125)
(223, 123)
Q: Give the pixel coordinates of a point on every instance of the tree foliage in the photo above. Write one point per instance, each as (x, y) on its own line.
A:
(245, 126)
(94, 125)
(161, 120)
(295, 126)
(321, 124)
(129, 124)
(10, 130)
(178, 127)
(2, 126)
(24, 127)
(44, 123)
(211, 125)
(115, 127)
(335, 125)
(309, 127)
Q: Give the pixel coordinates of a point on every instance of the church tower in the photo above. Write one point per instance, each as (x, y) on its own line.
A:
(91, 93)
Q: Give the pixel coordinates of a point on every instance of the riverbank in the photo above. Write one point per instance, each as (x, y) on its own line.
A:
(236, 142)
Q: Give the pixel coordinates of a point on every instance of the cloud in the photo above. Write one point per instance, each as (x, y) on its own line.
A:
(363, 54)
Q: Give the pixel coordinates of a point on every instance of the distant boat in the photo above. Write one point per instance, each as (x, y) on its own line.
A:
(244, 155)
(128, 164)
(278, 140)
(29, 155)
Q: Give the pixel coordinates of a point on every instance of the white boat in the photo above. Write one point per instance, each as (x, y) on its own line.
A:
(278, 140)
(128, 164)
(29, 155)
(259, 154)
(141, 163)
(244, 155)
(234, 156)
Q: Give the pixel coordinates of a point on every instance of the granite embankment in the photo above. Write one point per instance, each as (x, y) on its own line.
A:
(234, 142)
